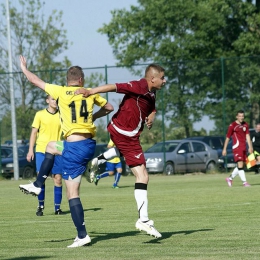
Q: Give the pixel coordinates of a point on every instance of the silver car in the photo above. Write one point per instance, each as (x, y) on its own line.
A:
(180, 156)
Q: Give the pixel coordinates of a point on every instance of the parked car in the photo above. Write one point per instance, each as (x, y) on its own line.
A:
(26, 169)
(215, 142)
(5, 151)
(180, 156)
(100, 148)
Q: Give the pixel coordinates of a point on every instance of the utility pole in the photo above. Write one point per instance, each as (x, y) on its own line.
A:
(11, 81)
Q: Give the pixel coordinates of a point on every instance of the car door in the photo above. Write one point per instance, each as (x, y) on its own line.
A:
(200, 156)
(183, 157)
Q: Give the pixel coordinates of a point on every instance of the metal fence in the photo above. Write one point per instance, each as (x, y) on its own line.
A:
(201, 93)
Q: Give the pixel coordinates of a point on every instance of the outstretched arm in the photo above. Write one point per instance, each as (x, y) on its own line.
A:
(93, 91)
(30, 76)
(103, 111)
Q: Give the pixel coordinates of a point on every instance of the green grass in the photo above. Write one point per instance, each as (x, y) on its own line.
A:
(199, 217)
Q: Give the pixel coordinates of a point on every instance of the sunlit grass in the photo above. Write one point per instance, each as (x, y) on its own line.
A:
(198, 215)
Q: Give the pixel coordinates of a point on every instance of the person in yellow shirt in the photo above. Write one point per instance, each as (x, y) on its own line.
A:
(78, 147)
(45, 128)
(112, 166)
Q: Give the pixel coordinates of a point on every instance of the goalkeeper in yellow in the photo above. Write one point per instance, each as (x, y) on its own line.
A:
(77, 149)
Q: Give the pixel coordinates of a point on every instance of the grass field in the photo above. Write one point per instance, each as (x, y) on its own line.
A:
(199, 217)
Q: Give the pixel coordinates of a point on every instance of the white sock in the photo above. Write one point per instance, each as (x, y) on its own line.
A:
(111, 153)
(242, 175)
(234, 173)
(142, 204)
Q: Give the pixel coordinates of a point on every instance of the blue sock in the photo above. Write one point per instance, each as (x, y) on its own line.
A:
(103, 175)
(57, 197)
(45, 169)
(117, 178)
(41, 196)
(77, 215)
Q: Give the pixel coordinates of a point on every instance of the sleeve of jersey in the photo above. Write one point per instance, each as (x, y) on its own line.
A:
(100, 101)
(52, 90)
(36, 121)
(137, 87)
(230, 131)
(247, 129)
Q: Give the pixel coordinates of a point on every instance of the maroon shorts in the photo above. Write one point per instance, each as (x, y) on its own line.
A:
(239, 155)
(129, 147)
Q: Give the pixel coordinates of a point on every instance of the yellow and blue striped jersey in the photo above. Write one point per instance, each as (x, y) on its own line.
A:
(75, 111)
(49, 128)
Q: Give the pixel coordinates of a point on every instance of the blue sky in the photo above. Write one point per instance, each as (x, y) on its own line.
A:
(82, 19)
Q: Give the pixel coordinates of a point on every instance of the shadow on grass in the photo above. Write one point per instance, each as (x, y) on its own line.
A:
(28, 258)
(92, 209)
(165, 235)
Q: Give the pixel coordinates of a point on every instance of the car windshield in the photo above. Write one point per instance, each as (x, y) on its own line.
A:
(158, 148)
(22, 152)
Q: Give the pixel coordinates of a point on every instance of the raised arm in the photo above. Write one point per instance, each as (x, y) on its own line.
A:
(30, 76)
(93, 91)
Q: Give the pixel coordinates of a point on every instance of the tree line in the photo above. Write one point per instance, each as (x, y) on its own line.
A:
(209, 48)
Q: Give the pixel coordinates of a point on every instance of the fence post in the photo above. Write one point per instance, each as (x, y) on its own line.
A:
(223, 101)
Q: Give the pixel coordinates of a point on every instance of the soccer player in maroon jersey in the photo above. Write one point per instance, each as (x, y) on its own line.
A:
(136, 109)
(239, 131)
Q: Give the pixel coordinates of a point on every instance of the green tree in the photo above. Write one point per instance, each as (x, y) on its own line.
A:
(189, 38)
(40, 40)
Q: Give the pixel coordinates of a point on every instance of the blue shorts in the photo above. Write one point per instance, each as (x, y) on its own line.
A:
(75, 157)
(111, 167)
(57, 167)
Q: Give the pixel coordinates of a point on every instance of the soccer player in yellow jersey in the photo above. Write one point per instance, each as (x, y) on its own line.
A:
(111, 166)
(45, 128)
(77, 149)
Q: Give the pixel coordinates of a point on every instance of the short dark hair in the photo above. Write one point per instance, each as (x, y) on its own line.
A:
(240, 112)
(75, 73)
(154, 66)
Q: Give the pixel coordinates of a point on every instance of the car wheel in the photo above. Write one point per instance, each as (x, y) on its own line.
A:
(169, 168)
(28, 172)
(211, 167)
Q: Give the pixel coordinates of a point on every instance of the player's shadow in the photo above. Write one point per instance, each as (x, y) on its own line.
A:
(91, 209)
(28, 258)
(102, 236)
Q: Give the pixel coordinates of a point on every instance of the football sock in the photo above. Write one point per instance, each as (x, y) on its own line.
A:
(103, 175)
(117, 178)
(41, 196)
(77, 215)
(242, 175)
(45, 169)
(234, 173)
(57, 197)
(141, 200)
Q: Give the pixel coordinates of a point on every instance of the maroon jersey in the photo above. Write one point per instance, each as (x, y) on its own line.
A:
(136, 105)
(238, 133)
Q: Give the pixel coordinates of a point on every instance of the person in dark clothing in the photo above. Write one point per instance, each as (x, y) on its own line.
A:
(255, 137)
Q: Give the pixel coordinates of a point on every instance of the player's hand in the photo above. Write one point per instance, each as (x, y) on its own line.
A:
(149, 123)
(23, 64)
(224, 152)
(83, 91)
(30, 156)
